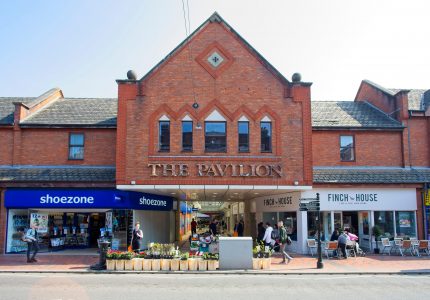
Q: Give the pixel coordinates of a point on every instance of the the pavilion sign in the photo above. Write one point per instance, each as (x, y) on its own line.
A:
(216, 170)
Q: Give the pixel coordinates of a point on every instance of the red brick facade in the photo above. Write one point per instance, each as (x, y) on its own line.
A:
(246, 87)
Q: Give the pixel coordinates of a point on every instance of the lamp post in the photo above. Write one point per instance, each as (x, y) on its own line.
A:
(320, 264)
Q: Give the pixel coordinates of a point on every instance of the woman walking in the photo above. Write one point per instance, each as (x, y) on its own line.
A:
(283, 242)
(136, 238)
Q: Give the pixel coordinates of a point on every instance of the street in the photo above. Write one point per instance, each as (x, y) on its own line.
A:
(201, 286)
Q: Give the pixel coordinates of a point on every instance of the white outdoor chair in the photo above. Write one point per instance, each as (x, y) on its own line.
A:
(386, 245)
(397, 244)
(423, 246)
(312, 244)
(406, 246)
(331, 247)
(350, 248)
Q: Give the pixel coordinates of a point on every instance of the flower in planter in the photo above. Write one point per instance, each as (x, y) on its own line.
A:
(184, 256)
(113, 254)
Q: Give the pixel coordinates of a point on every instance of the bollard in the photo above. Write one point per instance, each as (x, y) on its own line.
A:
(101, 265)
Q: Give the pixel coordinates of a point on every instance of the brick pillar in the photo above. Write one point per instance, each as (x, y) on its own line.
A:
(3, 218)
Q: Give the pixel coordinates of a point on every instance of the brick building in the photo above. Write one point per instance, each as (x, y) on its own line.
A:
(213, 122)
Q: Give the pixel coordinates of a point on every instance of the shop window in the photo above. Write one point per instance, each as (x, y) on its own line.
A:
(187, 135)
(243, 130)
(215, 137)
(405, 224)
(384, 220)
(76, 146)
(347, 151)
(164, 136)
(313, 225)
(266, 136)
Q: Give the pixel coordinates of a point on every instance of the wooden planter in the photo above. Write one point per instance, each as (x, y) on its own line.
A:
(174, 264)
(256, 263)
(183, 265)
(265, 262)
(156, 265)
(138, 264)
(212, 265)
(165, 264)
(146, 264)
(128, 265)
(192, 264)
(110, 264)
(203, 265)
(119, 265)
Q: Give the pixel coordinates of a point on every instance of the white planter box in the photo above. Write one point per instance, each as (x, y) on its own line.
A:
(266, 262)
(203, 265)
(110, 264)
(174, 264)
(156, 264)
(192, 264)
(165, 264)
(183, 264)
(119, 265)
(147, 263)
(128, 265)
(212, 265)
(138, 264)
(256, 263)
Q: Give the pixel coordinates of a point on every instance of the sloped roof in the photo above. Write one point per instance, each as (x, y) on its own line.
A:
(350, 114)
(370, 175)
(416, 99)
(56, 174)
(7, 108)
(85, 112)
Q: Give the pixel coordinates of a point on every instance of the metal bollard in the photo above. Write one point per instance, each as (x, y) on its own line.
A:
(101, 265)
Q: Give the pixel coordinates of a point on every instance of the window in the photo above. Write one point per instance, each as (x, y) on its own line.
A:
(215, 137)
(384, 220)
(405, 224)
(347, 148)
(243, 129)
(76, 146)
(290, 223)
(164, 136)
(187, 135)
(266, 136)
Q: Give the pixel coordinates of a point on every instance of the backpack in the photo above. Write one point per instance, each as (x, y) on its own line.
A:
(275, 234)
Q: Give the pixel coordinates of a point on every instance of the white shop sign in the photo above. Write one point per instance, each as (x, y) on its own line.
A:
(274, 203)
(365, 199)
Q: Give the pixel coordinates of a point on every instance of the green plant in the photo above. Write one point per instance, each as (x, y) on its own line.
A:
(113, 254)
(126, 255)
(210, 256)
(184, 256)
(377, 232)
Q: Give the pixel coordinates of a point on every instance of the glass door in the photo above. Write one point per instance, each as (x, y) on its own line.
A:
(337, 217)
(364, 229)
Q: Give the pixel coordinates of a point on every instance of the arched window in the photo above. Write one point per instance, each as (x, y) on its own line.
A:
(164, 134)
(187, 134)
(215, 133)
(243, 134)
(266, 134)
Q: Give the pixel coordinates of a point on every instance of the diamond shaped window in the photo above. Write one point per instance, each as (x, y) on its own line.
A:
(215, 59)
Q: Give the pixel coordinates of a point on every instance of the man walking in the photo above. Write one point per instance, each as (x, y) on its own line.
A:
(32, 243)
(342, 240)
(193, 227)
(268, 235)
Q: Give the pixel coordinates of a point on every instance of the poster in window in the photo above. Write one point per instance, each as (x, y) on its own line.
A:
(404, 220)
(108, 222)
(39, 220)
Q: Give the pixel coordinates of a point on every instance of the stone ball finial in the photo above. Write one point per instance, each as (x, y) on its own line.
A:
(131, 75)
(297, 77)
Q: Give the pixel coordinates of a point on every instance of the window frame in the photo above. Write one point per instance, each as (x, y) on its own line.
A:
(211, 151)
(160, 149)
(353, 147)
(182, 136)
(271, 137)
(75, 146)
(238, 137)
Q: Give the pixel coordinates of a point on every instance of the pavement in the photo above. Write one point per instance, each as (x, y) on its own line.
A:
(372, 264)
(70, 286)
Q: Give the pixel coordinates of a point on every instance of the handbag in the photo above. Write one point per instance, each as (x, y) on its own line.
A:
(130, 249)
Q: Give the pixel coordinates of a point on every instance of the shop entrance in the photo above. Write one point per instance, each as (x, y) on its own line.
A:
(96, 222)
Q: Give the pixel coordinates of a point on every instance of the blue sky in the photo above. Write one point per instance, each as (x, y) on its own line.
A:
(83, 46)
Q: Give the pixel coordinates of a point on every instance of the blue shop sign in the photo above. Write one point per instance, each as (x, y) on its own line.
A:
(83, 198)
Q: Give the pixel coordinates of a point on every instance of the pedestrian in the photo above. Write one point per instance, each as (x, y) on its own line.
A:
(260, 231)
(31, 237)
(193, 227)
(283, 242)
(334, 235)
(212, 228)
(267, 238)
(136, 238)
(240, 228)
(354, 238)
(342, 240)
